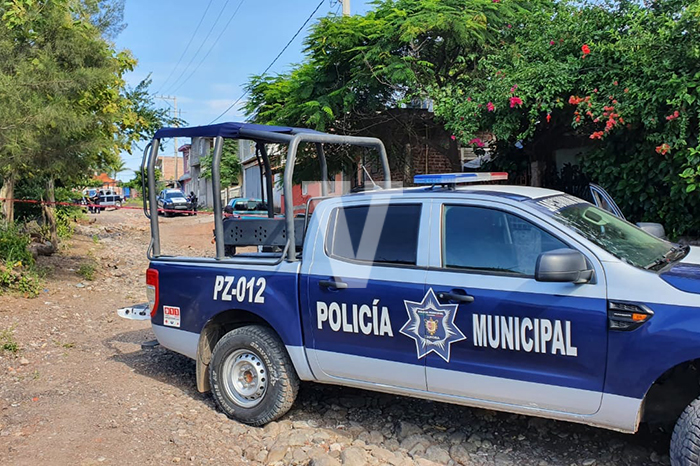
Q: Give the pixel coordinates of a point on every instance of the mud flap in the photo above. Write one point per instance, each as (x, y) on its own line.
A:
(207, 340)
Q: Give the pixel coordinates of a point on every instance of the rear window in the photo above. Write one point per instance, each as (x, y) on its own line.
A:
(249, 206)
(386, 234)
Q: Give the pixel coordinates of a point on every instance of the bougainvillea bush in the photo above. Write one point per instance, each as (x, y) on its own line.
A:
(623, 76)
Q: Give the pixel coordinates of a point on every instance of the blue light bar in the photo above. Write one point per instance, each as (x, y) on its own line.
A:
(459, 178)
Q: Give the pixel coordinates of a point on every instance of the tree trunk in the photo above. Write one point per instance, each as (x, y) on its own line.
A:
(49, 211)
(454, 157)
(8, 192)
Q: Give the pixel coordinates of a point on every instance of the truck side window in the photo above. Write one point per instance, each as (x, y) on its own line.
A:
(375, 234)
(489, 240)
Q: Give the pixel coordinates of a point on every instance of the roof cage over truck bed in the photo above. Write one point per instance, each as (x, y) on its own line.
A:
(261, 135)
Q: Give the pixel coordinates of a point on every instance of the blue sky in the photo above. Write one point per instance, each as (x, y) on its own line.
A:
(158, 32)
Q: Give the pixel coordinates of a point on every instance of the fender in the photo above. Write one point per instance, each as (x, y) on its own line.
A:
(638, 358)
(225, 321)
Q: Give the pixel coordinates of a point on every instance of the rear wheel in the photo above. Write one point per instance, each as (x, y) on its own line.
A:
(252, 378)
(685, 442)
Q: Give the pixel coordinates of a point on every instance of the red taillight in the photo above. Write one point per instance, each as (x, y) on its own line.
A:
(152, 290)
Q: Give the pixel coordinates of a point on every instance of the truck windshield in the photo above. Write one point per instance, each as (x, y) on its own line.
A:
(620, 238)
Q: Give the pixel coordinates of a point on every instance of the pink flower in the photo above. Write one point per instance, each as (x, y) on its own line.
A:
(673, 116)
(490, 107)
(515, 102)
(551, 42)
(512, 89)
(476, 141)
(585, 49)
(453, 137)
(469, 99)
(509, 26)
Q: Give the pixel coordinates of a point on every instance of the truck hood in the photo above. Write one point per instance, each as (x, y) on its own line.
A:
(686, 274)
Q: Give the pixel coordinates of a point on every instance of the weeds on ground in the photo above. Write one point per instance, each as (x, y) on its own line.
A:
(66, 216)
(17, 268)
(7, 341)
(95, 239)
(14, 245)
(15, 277)
(87, 271)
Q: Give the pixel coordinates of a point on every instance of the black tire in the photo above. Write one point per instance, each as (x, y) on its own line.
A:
(262, 350)
(685, 441)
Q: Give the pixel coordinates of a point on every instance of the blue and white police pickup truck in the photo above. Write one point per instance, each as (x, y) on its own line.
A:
(510, 298)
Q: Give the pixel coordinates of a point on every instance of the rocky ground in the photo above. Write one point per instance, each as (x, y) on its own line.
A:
(81, 390)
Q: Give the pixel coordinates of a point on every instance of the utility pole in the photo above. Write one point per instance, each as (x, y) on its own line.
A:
(173, 109)
(346, 7)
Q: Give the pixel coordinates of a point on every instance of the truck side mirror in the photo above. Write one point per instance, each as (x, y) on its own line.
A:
(563, 266)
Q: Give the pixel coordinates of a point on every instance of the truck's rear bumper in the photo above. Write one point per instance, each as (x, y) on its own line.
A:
(135, 312)
(175, 339)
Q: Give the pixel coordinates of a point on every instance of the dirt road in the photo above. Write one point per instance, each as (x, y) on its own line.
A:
(80, 390)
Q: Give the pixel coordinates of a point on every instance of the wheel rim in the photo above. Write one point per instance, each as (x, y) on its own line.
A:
(245, 378)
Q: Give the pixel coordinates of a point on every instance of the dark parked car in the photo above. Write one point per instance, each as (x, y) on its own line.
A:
(173, 201)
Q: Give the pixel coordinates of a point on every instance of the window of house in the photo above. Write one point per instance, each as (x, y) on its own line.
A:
(375, 234)
(489, 240)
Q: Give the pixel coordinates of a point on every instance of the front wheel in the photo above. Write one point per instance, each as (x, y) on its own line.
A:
(252, 378)
(685, 441)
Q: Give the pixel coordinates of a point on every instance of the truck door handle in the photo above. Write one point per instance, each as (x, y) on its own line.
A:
(462, 298)
(338, 285)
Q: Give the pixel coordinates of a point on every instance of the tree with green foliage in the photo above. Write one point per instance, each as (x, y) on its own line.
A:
(62, 90)
(360, 70)
(623, 76)
(230, 165)
(619, 76)
(137, 181)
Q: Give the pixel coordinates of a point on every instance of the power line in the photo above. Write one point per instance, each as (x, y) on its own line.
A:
(194, 70)
(273, 61)
(218, 17)
(187, 47)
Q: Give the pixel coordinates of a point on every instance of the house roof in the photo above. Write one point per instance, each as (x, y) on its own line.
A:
(103, 177)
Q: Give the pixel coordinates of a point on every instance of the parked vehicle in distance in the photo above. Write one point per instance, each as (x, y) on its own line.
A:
(172, 202)
(512, 298)
(110, 200)
(248, 207)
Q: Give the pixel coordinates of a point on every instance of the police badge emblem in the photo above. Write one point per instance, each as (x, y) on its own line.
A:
(431, 325)
(438, 321)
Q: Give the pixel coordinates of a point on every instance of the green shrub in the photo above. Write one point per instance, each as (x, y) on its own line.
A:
(14, 246)
(25, 280)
